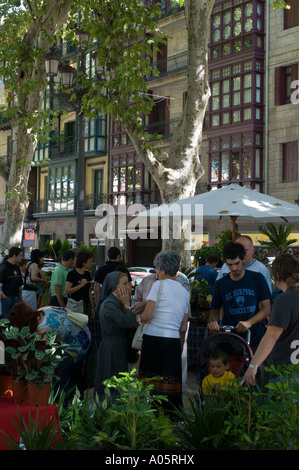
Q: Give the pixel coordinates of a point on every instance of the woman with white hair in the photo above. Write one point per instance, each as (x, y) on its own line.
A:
(166, 313)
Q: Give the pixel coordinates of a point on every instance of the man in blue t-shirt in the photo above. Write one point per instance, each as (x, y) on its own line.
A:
(208, 271)
(244, 296)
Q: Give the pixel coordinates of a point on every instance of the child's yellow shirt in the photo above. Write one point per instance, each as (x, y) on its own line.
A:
(210, 383)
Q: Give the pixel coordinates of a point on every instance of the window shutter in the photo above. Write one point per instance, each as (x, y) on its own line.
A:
(290, 161)
(291, 16)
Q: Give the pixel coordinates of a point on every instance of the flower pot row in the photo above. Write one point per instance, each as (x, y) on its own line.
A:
(23, 391)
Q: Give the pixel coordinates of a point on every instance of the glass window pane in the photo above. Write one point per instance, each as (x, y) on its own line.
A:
(51, 183)
(236, 165)
(247, 114)
(215, 103)
(115, 180)
(237, 14)
(246, 166)
(225, 118)
(57, 183)
(247, 96)
(215, 169)
(248, 9)
(216, 21)
(236, 99)
(226, 49)
(225, 101)
(247, 80)
(130, 178)
(64, 181)
(122, 179)
(236, 116)
(237, 29)
(225, 86)
(216, 35)
(71, 180)
(237, 83)
(215, 120)
(226, 32)
(237, 46)
(215, 88)
(227, 17)
(137, 179)
(225, 165)
(248, 25)
(248, 43)
(216, 52)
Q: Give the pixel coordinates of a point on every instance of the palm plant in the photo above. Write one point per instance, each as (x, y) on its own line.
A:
(278, 238)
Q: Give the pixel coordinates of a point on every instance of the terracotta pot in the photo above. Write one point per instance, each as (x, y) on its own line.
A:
(20, 390)
(5, 385)
(38, 395)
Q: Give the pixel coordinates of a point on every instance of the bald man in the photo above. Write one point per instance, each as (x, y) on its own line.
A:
(249, 262)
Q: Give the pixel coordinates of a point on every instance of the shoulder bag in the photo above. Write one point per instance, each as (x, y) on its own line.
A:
(138, 336)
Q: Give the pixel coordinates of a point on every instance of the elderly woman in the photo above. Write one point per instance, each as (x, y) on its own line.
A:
(76, 339)
(116, 321)
(166, 312)
(280, 341)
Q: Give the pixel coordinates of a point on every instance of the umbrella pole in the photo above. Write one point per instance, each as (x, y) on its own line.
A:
(234, 226)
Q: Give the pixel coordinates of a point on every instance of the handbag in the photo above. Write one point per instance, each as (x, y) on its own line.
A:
(75, 305)
(79, 319)
(138, 336)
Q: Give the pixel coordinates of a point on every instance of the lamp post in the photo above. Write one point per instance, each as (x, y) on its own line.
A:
(67, 72)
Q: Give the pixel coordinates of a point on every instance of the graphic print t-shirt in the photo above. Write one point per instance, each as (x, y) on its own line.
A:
(240, 300)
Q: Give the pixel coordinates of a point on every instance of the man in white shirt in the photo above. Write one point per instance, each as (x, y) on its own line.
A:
(249, 262)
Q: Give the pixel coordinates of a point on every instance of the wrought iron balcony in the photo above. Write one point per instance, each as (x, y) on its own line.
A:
(170, 65)
(56, 206)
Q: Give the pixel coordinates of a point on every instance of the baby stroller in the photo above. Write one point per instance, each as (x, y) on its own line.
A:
(237, 348)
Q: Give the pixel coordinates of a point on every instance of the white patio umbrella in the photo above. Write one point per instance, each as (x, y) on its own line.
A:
(234, 201)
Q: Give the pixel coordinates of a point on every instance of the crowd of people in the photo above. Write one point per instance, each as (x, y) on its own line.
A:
(241, 297)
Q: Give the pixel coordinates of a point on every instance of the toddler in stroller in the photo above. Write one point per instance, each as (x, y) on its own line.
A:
(219, 374)
(236, 348)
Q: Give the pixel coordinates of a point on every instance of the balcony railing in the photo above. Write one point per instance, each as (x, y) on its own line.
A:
(170, 65)
(65, 205)
(68, 204)
(164, 128)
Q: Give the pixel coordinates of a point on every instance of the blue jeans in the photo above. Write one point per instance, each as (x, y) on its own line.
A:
(7, 303)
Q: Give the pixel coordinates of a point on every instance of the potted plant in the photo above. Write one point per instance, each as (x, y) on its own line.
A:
(34, 359)
(200, 300)
(39, 362)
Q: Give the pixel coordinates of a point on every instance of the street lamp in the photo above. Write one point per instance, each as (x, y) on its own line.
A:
(67, 73)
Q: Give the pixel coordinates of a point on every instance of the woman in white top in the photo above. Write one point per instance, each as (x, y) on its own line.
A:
(166, 312)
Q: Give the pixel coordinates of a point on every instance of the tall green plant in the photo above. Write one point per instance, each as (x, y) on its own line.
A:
(279, 239)
(128, 420)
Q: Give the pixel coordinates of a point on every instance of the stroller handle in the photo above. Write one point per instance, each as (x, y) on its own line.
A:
(229, 329)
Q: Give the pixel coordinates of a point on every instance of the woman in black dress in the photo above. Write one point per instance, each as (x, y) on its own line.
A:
(116, 321)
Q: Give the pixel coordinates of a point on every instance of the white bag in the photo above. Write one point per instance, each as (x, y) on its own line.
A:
(75, 305)
(79, 319)
(138, 336)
